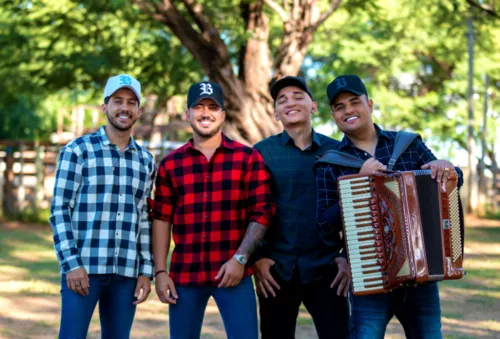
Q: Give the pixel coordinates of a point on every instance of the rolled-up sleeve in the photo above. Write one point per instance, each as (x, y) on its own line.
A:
(162, 206)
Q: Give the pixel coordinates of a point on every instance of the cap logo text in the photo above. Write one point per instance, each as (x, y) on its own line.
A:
(206, 89)
(125, 80)
(340, 83)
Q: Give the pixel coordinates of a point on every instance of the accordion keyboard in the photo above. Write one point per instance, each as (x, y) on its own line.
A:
(360, 235)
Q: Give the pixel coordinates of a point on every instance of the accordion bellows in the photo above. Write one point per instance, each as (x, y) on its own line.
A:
(400, 228)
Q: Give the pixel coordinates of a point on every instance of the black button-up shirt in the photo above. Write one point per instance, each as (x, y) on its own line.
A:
(328, 209)
(294, 241)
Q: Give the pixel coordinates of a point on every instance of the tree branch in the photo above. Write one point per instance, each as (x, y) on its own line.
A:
(485, 8)
(196, 12)
(278, 9)
(334, 4)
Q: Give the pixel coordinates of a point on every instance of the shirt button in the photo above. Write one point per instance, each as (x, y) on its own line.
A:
(117, 233)
(205, 216)
(202, 258)
(121, 194)
(204, 236)
(208, 177)
(205, 195)
(118, 213)
(113, 169)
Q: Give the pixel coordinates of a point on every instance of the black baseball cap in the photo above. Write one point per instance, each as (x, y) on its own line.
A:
(205, 89)
(345, 83)
(286, 82)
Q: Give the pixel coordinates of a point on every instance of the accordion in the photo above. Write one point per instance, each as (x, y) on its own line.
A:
(401, 228)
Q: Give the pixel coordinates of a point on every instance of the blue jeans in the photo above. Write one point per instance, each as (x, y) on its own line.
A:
(237, 306)
(115, 295)
(416, 307)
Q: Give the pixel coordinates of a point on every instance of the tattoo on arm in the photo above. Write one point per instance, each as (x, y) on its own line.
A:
(254, 235)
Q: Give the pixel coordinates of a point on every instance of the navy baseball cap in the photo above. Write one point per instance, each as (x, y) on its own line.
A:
(286, 82)
(203, 90)
(345, 83)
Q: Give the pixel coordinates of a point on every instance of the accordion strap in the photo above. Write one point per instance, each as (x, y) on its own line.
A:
(334, 157)
(403, 140)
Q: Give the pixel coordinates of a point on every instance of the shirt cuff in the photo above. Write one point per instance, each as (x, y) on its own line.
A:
(146, 269)
(71, 264)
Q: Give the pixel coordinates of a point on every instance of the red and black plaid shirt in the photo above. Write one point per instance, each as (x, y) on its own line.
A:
(210, 204)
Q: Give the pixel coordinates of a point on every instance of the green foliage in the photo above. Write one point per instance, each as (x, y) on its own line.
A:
(67, 49)
(412, 55)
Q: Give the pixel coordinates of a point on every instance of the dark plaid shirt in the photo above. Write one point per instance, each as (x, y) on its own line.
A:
(294, 242)
(210, 204)
(328, 210)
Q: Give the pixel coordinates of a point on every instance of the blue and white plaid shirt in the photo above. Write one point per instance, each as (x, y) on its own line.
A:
(99, 213)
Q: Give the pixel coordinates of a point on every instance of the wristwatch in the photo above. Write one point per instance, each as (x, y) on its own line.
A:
(241, 258)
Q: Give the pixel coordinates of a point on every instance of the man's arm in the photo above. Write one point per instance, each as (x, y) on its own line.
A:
(165, 287)
(67, 184)
(253, 237)
(162, 213)
(428, 160)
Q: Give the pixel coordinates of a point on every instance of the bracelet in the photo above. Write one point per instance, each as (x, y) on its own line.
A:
(161, 271)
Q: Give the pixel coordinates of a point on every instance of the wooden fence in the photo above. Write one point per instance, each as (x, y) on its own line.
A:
(28, 169)
(27, 175)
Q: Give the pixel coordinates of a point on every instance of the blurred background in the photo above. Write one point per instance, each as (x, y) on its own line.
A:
(432, 67)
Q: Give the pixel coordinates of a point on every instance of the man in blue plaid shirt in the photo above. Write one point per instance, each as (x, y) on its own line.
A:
(416, 307)
(99, 215)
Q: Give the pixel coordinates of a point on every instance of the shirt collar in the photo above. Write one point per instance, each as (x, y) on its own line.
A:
(285, 138)
(348, 143)
(132, 144)
(226, 143)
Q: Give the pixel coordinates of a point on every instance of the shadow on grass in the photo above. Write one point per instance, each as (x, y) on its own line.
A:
(29, 251)
(486, 235)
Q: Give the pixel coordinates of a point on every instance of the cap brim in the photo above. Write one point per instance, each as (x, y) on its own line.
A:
(206, 97)
(287, 82)
(346, 90)
(130, 88)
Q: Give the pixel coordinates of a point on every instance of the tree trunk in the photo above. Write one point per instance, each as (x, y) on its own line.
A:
(248, 104)
(471, 145)
(482, 166)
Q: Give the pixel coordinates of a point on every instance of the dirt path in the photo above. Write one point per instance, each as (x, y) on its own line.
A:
(29, 308)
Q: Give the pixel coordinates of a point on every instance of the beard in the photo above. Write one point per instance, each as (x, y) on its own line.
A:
(120, 127)
(205, 134)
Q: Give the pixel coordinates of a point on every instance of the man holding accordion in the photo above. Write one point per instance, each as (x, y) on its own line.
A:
(369, 151)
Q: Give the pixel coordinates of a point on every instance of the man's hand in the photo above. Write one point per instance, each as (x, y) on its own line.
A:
(164, 287)
(372, 165)
(142, 289)
(230, 273)
(343, 277)
(78, 281)
(442, 170)
(263, 277)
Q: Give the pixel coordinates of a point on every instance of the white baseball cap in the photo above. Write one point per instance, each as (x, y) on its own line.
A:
(122, 81)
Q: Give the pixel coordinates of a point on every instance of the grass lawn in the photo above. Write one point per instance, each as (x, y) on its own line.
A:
(30, 304)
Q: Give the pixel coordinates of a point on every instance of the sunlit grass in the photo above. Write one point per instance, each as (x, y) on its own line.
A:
(29, 275)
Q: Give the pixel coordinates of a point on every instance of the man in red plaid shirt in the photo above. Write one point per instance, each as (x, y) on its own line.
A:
(213, 195)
